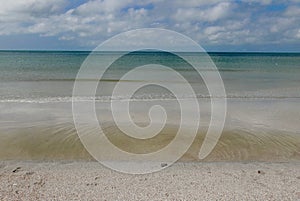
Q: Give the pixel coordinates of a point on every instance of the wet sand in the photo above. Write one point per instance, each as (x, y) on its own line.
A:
(61, 142)
(27, 180)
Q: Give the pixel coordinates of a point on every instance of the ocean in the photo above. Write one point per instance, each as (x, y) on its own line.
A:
(262, 92)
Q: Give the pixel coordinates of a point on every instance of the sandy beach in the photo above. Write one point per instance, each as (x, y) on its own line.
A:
(112, 100)
(32, 180)
(44, 157)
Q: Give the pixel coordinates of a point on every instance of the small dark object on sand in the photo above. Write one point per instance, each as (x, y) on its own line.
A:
(164, 164)
(16, 170)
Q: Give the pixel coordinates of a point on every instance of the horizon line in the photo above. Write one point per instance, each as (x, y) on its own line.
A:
(78, 50)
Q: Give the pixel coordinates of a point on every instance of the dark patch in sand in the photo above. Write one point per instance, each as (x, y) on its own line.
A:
(40, 183)
(92, 184)
(16, 170)
(29, 173)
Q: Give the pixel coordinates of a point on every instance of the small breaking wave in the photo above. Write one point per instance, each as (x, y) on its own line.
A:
(147, 97)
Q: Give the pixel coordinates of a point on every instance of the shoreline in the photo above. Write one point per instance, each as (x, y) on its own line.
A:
(81, 180)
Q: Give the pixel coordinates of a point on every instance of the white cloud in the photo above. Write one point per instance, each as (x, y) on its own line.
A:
(220, 11)
(216, 12)
(195, 3)
(17, 15)
(292, 11)
(213, 29)
(21, 10)
(209, 22)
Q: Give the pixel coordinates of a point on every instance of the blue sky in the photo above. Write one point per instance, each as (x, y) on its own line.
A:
(236, 25)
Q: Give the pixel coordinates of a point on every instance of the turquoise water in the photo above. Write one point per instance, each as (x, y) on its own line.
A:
(263, 91)
(26, 75)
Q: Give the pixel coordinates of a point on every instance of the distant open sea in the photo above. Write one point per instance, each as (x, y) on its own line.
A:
(262, 124)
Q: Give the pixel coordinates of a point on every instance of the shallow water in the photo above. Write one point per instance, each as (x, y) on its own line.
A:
(262, 122)
(45, 131)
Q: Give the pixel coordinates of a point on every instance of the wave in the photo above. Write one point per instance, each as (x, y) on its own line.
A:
(164, 97)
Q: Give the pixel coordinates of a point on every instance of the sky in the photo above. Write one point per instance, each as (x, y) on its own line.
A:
(233, 25)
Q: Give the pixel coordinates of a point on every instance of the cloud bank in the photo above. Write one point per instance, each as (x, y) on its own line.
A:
(214, 24)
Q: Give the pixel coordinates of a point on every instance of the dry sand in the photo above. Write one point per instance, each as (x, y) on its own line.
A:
(182, 181)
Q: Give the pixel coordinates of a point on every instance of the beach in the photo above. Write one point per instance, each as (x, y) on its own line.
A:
(116, 100)
(69, 180)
